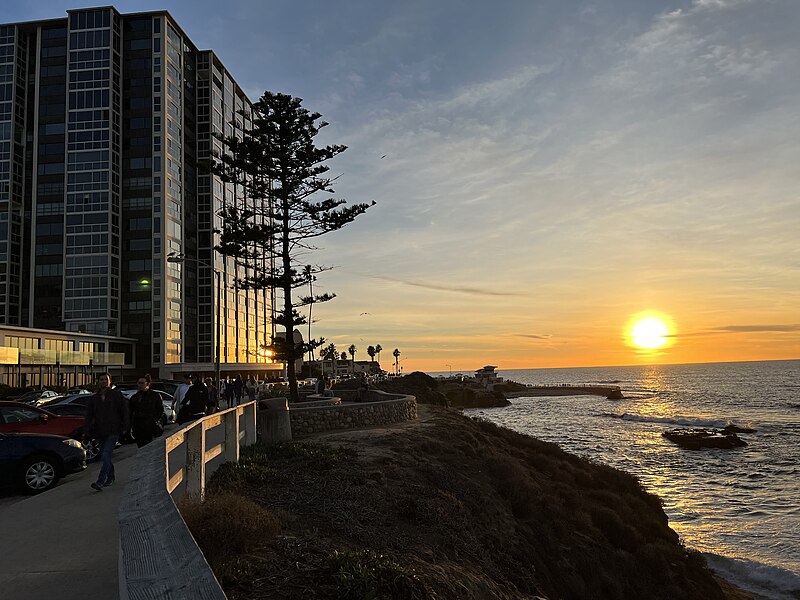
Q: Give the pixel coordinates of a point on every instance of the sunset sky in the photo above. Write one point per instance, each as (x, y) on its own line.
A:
(551, 169)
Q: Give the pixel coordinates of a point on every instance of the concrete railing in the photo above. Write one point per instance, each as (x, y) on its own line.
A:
(198, 452)
(158, 557)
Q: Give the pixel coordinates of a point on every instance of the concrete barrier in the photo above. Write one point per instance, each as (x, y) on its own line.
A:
(382, 409)
(158, 557)
(273, 420)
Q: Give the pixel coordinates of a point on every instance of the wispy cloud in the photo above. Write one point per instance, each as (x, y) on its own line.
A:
(535, 336)
(791, 328)
(446, 288)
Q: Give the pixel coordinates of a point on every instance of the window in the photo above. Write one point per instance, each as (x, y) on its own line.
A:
(140, 265)
(52, 128)
(140, 163)
(55, 270)
(140, 224)
(49, 229)
(139, 245)
(49, 250)
(142, 44)
(14, 414)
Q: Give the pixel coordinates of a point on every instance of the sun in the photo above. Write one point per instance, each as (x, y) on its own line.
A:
(649, 331)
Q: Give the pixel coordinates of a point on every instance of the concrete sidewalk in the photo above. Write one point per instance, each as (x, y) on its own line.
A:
(64, 543)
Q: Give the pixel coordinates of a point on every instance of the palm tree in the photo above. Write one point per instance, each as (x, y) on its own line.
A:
(378, 351)
(371, 351)
(344, 355)
(329, 353)
(396, 355)
(352, 350)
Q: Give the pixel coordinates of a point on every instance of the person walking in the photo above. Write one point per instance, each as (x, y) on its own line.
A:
(229, 392)
(107, 418)
(147, 411)
(252, 388)
(238, 389)
(180, 392)
(195, 403)
(213, 395)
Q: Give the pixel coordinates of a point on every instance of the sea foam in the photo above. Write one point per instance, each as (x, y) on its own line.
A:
(768, 581)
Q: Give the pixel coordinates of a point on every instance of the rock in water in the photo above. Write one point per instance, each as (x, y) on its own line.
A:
(737, 429)
(695, 439)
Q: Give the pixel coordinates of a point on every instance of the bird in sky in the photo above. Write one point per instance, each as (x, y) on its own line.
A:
(384, 156)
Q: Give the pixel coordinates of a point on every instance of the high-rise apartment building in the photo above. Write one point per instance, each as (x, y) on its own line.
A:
(107, 121)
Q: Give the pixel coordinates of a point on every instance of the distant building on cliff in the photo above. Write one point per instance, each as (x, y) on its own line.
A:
(486, 376)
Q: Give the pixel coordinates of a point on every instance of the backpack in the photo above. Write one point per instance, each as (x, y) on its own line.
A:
(197, 399)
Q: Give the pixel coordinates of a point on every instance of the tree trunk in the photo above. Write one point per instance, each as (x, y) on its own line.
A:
(291, 374)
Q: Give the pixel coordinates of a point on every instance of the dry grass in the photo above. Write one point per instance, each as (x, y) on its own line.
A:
(457, 509)
(227, 527)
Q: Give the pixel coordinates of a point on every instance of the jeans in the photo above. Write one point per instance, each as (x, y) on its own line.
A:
(107, 444)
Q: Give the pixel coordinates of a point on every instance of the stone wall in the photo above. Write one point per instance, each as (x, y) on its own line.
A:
(390, 408)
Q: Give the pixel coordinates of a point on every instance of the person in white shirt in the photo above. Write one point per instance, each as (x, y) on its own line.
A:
(180, 393)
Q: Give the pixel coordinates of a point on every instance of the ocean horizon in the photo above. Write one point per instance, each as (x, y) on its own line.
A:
(739, 507)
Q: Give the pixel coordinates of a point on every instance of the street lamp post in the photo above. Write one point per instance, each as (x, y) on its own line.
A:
(451, 369)
(174, 257)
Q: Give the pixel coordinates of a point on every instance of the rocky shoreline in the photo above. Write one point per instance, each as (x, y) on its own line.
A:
(469, 393)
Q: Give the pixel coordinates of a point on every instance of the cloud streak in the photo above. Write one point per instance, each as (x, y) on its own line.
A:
(445, 288)
(727, 329)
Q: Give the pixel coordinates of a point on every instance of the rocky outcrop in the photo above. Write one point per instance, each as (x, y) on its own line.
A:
(420, 385)
(462, 396)
(697, 439)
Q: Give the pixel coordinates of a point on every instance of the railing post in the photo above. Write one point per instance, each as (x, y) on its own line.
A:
(250, 424)
(196, 460)
(232, 436)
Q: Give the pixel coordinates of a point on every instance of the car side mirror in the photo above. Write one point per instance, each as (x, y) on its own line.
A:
(43, 418)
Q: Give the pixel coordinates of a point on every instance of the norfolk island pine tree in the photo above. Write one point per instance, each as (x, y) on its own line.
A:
(280, 170)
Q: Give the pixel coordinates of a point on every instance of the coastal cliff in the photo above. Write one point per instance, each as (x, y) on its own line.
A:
(446, 507)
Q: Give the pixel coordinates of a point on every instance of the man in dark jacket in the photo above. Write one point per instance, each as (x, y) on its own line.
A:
(195, 403)
(107, 418)
(147, 410)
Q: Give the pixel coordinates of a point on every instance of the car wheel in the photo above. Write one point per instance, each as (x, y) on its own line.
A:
(92, 448)
(38, 474)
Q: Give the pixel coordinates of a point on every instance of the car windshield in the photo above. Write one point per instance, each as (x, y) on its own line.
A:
(18, 414)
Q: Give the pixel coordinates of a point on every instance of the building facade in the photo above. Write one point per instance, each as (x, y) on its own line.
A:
(107, 122)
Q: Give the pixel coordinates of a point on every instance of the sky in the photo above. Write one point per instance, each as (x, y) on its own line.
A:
(544, 171)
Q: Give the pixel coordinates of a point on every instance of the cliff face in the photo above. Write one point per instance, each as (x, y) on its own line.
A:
(452, 508)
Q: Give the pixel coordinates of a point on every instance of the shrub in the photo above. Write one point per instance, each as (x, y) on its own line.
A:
(227, 526)
(367, 575)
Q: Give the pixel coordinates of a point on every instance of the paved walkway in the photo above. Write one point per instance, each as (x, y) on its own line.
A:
(64, 543)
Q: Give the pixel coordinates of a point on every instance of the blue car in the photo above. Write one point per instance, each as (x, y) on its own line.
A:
(35, 462)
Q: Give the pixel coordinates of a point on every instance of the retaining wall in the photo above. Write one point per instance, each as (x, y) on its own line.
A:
(384, 410)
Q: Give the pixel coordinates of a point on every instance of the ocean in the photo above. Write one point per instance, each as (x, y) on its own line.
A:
(740, 507)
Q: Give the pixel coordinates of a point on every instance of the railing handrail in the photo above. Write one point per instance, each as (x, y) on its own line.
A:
(198, 454)
(159, 558)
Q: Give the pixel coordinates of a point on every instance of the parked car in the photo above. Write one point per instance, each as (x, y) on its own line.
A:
(16, 417)
(77, 390)
(38, 397)
(74, 404)
(36, 462)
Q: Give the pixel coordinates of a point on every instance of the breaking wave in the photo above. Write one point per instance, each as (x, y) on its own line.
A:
(768, 581)
(676, 420)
